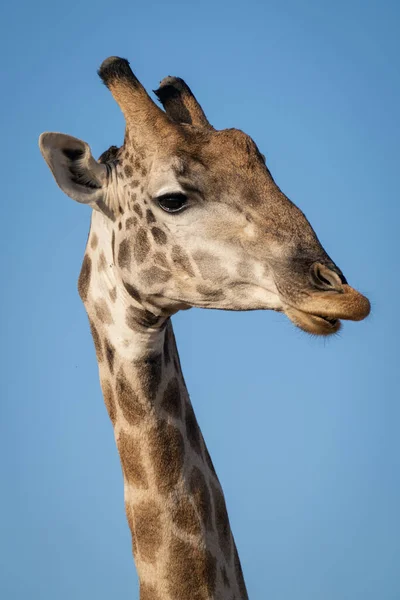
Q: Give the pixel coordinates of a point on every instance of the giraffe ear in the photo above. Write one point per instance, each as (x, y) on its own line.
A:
(75, 170)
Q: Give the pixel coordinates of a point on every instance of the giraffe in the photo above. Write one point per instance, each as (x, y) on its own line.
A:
(183, 216)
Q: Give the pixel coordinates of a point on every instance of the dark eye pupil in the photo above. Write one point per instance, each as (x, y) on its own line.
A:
(172, 203)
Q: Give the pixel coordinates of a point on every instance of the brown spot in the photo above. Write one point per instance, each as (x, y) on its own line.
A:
(144, 171)
(102, 263)
(138, 316)
(239, 575)
(110, 352)
(208, 265)
(192, 571)
(150, 218)
(138, 210)
(160, 260)
(121, 212)
(142, 246)
(113, 245)
(148, 592)
(185, 516)
(113, 294)
(207, 292)
(135, 183)
(134, 411)
(159, 235)
(96, 340)
(154, 275)
(131, 222)
(120, 225)
(109, 401)
(137, 163)
(149, 375)
(127, 155)
(131, 460)
(124, 254)
(132, 291)
(94, 241)
(84, 277)
(148, 529)
(171, 401)
(201, 495)
(103, 313)
(166, 449)
(222, 521)
(181, 260)
(128, 170)
(192, 429)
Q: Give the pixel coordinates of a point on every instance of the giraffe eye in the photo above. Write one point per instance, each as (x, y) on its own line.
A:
(172, 202)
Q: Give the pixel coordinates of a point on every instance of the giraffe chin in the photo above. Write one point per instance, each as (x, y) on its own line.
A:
(313, 324)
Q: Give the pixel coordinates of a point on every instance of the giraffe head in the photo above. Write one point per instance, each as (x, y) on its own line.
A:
(194, 217)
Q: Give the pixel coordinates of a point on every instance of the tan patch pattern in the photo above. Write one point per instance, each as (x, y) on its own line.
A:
(109, 401)
(192, 429)
(124, 254)
(153, 275)
(208, 265)
(94, 241)
(110, 353)
(97, 341)
(148, 530)
(148, 592)
(167, 455)
(131, 523)
(191, 572)
(185, 516)
(103, 313)
(128, 400)
(84, 277)
(138, 210)
(201, 495)
(131, 460)
(172, 402)
(222, 521)
(102, 263)
(142, 246)
(159, 235)
(149, 374)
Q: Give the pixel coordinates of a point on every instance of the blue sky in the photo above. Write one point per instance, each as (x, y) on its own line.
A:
(303, 432)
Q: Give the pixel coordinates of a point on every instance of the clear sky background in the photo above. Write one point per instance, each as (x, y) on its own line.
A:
(304, 432)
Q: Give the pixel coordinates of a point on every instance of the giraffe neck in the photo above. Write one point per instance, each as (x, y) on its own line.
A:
(181, 537)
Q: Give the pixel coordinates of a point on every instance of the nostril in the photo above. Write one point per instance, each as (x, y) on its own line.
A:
(325, 278)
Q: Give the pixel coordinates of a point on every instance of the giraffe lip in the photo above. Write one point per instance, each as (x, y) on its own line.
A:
(316, 324)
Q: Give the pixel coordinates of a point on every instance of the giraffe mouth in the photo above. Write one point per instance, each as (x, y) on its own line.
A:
(313, 323)
(319, 313)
